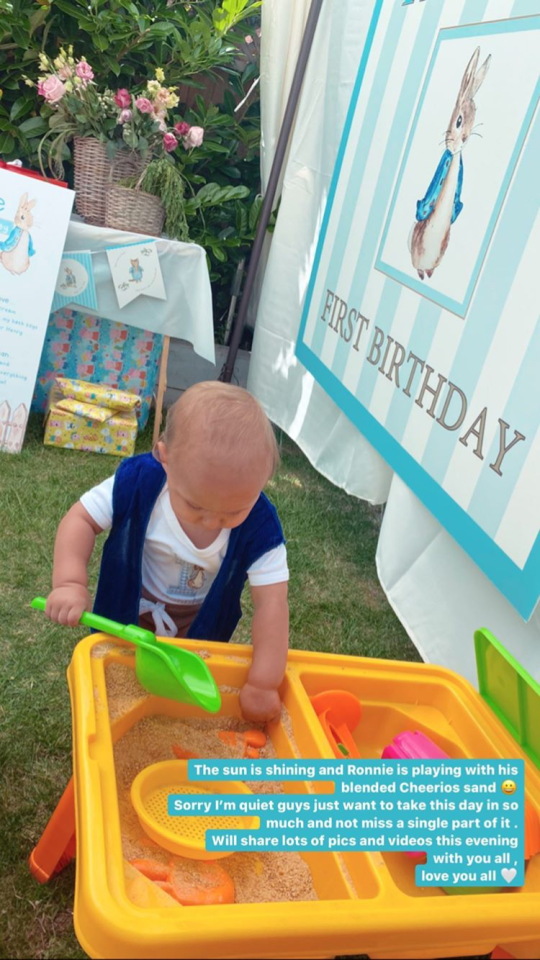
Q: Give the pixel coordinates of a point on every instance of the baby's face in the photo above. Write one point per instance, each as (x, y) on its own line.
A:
(215, 500)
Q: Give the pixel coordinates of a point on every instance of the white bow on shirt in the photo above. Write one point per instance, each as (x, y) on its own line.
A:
(164, 624)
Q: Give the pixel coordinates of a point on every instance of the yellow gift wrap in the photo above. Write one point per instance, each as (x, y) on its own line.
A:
(91, 416)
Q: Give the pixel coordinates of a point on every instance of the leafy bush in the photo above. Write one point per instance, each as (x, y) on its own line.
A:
(125, 41)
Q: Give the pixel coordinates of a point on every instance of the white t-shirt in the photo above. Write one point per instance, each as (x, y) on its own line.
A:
(173, 569)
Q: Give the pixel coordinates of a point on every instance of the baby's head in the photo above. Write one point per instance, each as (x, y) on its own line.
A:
(219, 451)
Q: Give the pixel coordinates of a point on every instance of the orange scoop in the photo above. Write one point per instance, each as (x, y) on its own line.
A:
(339, 713)
(213, 885)
(151, 869)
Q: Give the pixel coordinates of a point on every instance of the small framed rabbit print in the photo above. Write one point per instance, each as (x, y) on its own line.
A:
(457, 166)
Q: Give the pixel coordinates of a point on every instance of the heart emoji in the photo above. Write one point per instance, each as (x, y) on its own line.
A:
(508, 874)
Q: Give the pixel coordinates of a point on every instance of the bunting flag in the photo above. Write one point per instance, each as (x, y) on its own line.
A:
(75, 283)
(136, 272)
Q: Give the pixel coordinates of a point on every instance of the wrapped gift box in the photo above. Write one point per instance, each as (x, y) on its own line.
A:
(92, 417)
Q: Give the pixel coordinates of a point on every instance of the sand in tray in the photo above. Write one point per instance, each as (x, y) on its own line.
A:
(258, 877)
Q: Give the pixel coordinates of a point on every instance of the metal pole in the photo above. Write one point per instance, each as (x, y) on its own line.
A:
(268, 202)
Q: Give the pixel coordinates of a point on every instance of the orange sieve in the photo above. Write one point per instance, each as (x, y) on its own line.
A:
(183, 835)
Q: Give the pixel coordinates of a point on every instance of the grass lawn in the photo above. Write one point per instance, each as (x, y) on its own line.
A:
(336, 605)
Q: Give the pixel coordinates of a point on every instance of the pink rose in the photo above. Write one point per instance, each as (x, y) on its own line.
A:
(40, 89)
(52, 89)
(65, 72)
(84, 71)
(194, 137)
(144, 105)
(170, 142)
(182, 128)
(125, 116)
(122, 99)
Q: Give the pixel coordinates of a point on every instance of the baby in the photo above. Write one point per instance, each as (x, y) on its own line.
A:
(188, 525)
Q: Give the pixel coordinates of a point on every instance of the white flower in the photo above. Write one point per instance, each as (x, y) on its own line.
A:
(194, 137)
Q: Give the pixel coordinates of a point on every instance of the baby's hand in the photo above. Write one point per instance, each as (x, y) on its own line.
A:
(67, 604)
(259, 704)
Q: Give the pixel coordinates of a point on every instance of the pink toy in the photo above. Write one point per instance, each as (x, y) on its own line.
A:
(413, 746)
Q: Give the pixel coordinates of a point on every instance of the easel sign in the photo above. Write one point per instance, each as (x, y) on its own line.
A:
(34, 218)
(421, 316)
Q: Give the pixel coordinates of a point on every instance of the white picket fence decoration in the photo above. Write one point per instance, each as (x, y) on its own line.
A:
(12, 427)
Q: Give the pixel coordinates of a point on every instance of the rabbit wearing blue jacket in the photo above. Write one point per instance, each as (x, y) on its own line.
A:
(442, 204)
(17, 248)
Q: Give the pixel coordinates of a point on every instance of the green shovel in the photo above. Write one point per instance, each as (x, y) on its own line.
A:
(162, 669)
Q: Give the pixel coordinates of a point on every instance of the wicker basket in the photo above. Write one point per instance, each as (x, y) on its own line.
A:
(134, 211)
(94, 173)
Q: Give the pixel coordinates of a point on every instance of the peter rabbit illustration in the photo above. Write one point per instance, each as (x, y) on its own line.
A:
(16, 250)
(136, 271)
(70, 279)
(442, 203)
(198, 576)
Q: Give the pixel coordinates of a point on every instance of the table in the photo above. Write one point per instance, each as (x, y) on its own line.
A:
(187, 312)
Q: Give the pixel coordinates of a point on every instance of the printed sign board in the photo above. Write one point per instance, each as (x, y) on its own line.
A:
(34, 217)
(421, 316)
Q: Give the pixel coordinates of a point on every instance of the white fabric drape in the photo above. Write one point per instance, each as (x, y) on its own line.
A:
(439, 594)
(282, 24)
(292, 398)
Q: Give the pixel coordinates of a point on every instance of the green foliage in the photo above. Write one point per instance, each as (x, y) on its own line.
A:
(162, 179)
(125, 41)
(232, 12)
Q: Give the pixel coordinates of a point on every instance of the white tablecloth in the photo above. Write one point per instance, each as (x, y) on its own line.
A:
(187, 312)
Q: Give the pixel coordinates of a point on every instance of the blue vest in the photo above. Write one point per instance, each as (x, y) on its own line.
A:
(12, 240)
(426, 206)
(137, 485)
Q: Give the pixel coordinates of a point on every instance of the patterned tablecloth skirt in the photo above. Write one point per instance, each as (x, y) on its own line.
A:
(100, 351)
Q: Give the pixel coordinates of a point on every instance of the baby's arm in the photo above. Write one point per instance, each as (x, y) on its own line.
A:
(259, 698)
(75, 541)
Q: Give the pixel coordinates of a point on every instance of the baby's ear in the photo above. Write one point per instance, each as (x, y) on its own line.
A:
(161, 452)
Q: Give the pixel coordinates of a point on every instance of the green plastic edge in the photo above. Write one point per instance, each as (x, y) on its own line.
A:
(483, 637)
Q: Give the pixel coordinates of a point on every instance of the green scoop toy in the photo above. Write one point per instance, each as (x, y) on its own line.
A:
(162, 669)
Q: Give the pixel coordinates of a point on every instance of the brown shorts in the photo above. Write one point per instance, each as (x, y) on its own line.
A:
(183, 614)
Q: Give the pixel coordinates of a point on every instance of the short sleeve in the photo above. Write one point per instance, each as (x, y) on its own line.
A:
(270, 568)
(99, 503)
